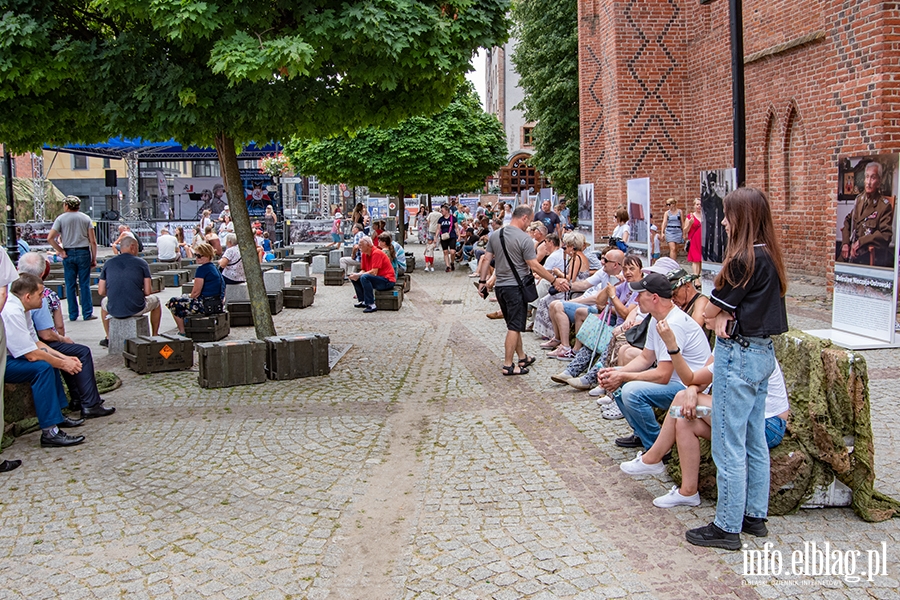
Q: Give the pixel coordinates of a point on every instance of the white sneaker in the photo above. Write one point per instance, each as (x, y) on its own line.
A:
(599, 392)
(612, 413)
(674, 498)
(639, 467)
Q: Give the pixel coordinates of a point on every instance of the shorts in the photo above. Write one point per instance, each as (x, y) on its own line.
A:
(151, 303)
(655, 256)
(448, 244)
(775, 428)
(513, 306)
(336, 238)
(571, 307)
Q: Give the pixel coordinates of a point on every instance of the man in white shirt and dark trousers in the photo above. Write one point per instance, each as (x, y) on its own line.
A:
(7, 275)
(30, 360)
(638, 388)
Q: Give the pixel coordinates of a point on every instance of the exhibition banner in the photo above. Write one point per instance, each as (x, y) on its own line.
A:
(639, 218)
(586, 212)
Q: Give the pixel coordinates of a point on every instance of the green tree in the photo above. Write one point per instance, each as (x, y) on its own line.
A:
(227, 72)
(452, 151)
(546, 59)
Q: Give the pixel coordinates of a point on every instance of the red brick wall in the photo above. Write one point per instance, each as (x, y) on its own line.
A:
(806, 106)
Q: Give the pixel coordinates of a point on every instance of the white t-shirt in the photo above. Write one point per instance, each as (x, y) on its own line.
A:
(21, 337)
(8, 272)
(621, 230)
(688, 335)
(556, 260)
(777, 397)
(167, 247)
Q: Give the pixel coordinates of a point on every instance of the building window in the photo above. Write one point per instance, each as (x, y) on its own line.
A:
(106, 163)
(205, 168)
(79, 163)
(527, 137)
(519, 176)
(248, 164)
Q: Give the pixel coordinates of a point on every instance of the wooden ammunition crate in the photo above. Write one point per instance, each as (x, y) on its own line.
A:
(390, 299)
(159, 267)
(156, 354)
(209, 328)
(298, 296)
(334, 276)
(308, 280)
(175, 277)
(405, 282)
(296, 356)
(156, 284)
(276, 302)
(239, 314)
(410, 263)
(191, 269)
(227, 364)
(187, 288)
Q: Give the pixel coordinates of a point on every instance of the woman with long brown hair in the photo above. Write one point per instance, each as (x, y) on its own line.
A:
(745, 309)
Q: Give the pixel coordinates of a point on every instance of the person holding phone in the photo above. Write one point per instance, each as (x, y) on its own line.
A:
(745, 309)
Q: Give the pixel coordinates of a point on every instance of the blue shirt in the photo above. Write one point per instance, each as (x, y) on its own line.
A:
(124, 276)
(41, 317)
(213, 285)
(401, 255)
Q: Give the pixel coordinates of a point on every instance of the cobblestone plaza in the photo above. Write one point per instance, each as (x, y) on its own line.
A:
(414, 470)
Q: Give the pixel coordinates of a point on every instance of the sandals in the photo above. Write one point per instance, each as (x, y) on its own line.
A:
(511, 370)
(550, 344)
(527, 361)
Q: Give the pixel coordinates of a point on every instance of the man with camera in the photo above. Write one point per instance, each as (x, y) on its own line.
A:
(512, 253)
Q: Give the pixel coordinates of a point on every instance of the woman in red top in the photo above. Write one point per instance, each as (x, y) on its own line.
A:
(693, 225)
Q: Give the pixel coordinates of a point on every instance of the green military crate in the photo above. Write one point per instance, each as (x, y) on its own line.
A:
(239, 314)
(410, 262)
(156, 354)
(406, 281)
(207, 328)
(390, 299)
(187, 288)
(299, 296)
(276, 302)
(296, 356)
(333, 276)
(159, 267)
(175, 277)
(156, 284)
(227, 364)
(309, 280)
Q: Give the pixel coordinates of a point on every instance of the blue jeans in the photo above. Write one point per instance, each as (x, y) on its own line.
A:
(46, 388)
(740, 385)
(570, 307)
(77, 269)
(636, 400)
(365, 285)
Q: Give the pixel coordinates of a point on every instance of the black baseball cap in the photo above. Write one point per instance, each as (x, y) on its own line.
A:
(655, 284)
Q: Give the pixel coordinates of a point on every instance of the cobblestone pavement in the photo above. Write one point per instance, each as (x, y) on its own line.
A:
(415, 470)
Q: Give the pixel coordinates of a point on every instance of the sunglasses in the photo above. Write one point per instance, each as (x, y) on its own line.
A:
(605, 260)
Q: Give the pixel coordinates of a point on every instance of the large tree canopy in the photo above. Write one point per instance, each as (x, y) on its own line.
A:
(452, 151)
(226, 72)
(546, 59)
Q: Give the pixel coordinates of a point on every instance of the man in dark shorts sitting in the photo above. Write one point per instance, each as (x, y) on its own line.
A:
(510, 295)
(125, 287)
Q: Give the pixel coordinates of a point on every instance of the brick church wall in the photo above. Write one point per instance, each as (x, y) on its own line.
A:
(656, 102)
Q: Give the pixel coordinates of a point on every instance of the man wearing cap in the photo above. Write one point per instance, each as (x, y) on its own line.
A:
(79, 253)
(637, 387)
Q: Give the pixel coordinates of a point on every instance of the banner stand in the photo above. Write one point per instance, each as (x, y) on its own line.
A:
(852, 341)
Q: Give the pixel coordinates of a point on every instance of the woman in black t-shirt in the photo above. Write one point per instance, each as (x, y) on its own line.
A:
(447, 233)
(745, 309)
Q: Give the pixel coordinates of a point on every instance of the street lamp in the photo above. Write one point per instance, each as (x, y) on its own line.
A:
(12, 247)
(739, 124)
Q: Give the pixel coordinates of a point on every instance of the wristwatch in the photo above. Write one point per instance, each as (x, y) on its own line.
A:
(675, 351)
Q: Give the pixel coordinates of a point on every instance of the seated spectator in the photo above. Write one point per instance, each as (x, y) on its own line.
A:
(82, 385)
(183, 248)
(124, 232)
(29, 360)
(395, 252)
(575, 268)
(212, 239)
(376, 273)
(638, 387)
(687, 430)
(352, 261)
(125, 285)
(231, 262)
(167, 247)
(206, 295)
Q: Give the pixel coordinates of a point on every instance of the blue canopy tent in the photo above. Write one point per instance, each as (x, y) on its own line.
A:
(169, 150)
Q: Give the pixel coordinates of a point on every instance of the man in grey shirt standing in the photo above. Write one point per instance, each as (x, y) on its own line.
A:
(510, 295)
(79, 253)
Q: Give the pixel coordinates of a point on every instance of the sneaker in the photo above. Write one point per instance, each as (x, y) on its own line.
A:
(755, 526)
(105, 342)
(561, 377)
(612, 413)
(711, 536)
(674, 498)
(639, 467)
(558, 351)
(581, 383)
(567, 354)
(602, 397)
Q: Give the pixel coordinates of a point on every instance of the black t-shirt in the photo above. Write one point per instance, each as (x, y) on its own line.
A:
(447, 225)
(549, 219)
(758, 306)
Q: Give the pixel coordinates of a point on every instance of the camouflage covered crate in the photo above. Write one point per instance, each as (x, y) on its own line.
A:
(157, 354)
(227, 364)
(296, 356)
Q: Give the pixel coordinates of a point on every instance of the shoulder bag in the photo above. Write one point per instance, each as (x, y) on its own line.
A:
(528, 287)
(637, 335)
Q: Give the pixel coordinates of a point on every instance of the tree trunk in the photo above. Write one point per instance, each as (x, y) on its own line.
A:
(259, 302)
(401, 217)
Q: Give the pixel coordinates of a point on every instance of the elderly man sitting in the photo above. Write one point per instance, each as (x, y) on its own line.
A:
(376, 273)
(30, 360)
(82, 385)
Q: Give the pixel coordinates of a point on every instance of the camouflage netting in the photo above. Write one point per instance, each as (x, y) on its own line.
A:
(19, 406)
(829, 433)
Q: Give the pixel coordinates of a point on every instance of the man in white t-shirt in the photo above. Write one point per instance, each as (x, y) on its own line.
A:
(8, 274)
(167, 246)
(638, 387)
